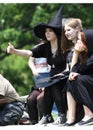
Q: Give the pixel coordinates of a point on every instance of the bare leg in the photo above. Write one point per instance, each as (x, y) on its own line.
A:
(71, 108)
(88, 113)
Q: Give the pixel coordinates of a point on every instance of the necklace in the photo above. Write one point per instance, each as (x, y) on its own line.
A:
(54, 52)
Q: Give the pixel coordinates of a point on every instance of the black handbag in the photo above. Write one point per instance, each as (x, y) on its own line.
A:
(49, 81)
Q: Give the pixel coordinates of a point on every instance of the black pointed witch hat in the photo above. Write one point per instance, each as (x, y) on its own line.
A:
(55, 24)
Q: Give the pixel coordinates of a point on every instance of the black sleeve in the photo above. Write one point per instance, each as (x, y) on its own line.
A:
(86, 67)
(75, 68)
(39, 51)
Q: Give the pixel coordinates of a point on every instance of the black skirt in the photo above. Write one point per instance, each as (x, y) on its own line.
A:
(82, 90)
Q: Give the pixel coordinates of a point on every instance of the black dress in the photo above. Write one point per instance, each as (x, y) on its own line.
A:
(58, 64)
(82, 87)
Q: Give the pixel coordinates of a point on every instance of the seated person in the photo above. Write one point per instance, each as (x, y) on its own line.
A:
(40, 69)
(11, 109)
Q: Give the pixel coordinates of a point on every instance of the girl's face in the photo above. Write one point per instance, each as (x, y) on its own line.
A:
(70, 33)
(50, 35)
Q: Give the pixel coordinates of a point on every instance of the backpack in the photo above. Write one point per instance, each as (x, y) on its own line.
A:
(11, 113)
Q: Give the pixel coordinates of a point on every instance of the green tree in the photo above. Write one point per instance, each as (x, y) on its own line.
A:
(16, 26)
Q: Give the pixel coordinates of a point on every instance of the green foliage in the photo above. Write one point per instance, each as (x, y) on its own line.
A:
(16, 70)
(16, 26)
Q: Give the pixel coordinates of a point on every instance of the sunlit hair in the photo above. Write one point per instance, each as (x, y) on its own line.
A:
(73, 23)
(83, 37)
(83, 55)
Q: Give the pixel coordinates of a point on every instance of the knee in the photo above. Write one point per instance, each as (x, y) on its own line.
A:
(40, 97)
(30, 99)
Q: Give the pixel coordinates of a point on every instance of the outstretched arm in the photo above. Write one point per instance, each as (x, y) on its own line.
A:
(12, 50)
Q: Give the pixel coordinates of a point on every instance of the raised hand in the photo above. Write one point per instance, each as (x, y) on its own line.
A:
(80, 46)
(10, 48)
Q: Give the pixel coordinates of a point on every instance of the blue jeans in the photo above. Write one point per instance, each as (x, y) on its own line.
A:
(41, 75)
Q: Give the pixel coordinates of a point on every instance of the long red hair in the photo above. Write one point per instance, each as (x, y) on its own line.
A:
(83, 54)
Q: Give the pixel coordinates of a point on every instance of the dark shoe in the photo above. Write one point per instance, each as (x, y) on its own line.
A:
(61, 119)
(34, 122)
(69, 124)
(46, 119)
(88, 122)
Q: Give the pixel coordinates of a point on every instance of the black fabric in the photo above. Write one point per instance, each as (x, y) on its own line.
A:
(84, 68)
(50, 81)
(11, 113)
(55, 92)
(35, 105)
(44, 50)
(79, 113)
(82, 90)
(89, 40)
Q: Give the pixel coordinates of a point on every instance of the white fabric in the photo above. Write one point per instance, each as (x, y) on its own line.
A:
(42, 66)
(7, 90)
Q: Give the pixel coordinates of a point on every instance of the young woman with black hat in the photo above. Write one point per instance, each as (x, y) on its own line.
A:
(50, 32)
